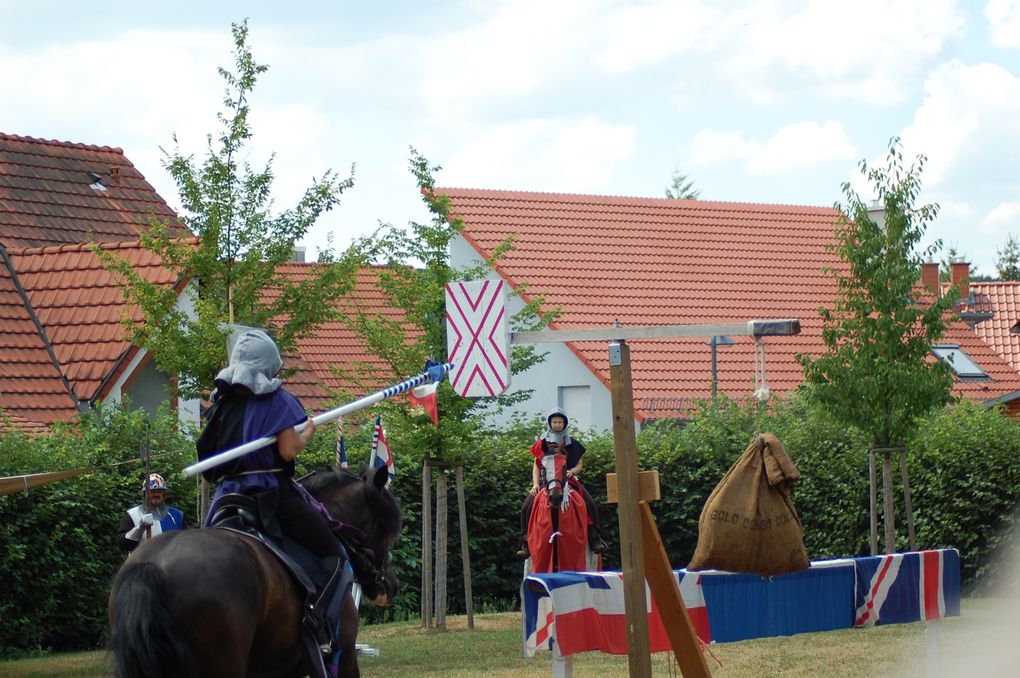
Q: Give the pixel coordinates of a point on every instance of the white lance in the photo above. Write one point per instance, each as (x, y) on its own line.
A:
(431, 373)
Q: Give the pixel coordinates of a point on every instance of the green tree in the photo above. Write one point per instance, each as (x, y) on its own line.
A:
(231, 268)
(876, 374)
(1008, 262)
(414, 272)
(681, 187)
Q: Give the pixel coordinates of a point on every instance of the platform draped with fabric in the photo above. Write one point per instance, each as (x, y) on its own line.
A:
(584, 611)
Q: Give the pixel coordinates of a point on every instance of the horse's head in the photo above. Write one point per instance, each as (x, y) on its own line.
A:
(553, 468)
(372, 519)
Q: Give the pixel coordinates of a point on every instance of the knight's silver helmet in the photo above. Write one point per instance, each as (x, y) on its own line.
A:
(254, 363)
(557, 411)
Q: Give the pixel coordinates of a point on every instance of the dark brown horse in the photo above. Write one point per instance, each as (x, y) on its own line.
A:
(557, 528)
(216, 603)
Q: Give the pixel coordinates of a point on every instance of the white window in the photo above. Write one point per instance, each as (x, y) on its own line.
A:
(959, 361)
(576, 402)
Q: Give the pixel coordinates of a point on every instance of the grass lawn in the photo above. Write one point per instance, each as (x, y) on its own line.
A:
(983, 642)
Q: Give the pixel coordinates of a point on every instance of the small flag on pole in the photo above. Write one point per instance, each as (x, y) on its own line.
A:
(425, 396)
(381, 455)
(341, 447)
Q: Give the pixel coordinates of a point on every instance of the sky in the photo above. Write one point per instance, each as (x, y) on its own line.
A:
(764, 101)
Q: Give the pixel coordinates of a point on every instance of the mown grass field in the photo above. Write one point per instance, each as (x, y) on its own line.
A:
(983, 642)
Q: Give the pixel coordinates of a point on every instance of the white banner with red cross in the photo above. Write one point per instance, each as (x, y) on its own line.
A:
(478, 337)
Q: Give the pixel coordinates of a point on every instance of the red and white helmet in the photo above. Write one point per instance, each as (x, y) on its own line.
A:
(156, 482)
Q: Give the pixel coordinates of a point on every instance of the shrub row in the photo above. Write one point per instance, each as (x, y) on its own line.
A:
(57, 551)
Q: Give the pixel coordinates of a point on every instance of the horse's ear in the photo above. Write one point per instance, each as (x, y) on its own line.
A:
(377, 477)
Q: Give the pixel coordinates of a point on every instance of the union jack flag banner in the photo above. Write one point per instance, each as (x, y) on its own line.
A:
(584, 611)
(589, 612)
(906, 587)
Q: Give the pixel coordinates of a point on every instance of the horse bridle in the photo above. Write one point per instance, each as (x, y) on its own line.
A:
(361, 561)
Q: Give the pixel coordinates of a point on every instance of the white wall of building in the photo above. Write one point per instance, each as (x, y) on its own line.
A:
(561, 380)
(148, 388)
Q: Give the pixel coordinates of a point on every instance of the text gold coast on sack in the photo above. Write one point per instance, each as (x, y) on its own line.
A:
(749, 523)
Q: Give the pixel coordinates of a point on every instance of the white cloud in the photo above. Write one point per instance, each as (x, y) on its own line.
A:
(1003, 22)
(1002, 220)
(545, 155)
(641, 35)
(712, 147)
(967, 123)
(793, 147)
(802, 145)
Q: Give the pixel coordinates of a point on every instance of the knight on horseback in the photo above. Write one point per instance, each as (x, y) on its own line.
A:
(250, 402)
(556, 440)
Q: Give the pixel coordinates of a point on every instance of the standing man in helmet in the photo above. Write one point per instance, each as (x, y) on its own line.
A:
(153, 516)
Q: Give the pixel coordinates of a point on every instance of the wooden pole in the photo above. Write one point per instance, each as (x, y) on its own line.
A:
(666, 591)
(426, 544)
(887, 495)
(907, 505)
(441, 549)
(873, 499)
(465, 552)
(639, 658)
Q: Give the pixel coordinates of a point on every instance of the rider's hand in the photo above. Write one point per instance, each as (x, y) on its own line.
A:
(534, 490)
(148, 520)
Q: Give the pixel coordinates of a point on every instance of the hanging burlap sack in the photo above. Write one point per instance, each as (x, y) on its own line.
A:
(749, 523)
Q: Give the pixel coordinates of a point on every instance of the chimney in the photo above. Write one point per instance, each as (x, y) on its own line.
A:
(114, 179)
(930, 276)
(959, 274)
(299, 254)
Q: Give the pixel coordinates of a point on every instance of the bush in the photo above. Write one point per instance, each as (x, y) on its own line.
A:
(59, 552)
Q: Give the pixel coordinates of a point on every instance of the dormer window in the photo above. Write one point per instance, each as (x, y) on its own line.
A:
(958, 360)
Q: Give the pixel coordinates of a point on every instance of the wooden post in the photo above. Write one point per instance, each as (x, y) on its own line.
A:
(887, 496)
(873, 499)
(465, 552)
(666, 591)
(639, 658)
(441, 549)
(426, 544)
(907, 505)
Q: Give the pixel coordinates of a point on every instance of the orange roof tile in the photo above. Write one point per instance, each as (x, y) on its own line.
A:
(49, 194)
(1002, 331)
(658, 261)
(335, 344)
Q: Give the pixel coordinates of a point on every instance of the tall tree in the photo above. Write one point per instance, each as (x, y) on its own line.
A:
(681, 187)
(1008, 262)
(876, 374)
(231, 266)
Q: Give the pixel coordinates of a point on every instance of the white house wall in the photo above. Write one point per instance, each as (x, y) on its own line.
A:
(149, 388)
(559, 381)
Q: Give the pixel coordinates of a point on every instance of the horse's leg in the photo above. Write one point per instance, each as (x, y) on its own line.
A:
(348, 640)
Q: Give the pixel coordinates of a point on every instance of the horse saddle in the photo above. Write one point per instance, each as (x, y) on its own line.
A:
(246, 515)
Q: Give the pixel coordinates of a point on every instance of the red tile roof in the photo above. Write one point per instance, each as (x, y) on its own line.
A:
(658, 261)
(49, 194)
(335, 344)
(1002, 299)
(80, 304)
(31, 385)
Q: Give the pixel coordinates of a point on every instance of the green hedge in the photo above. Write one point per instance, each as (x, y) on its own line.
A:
(58, 552)
(57, 542)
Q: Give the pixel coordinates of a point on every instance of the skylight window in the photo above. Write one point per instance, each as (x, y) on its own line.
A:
(958, 360)
(97, 182)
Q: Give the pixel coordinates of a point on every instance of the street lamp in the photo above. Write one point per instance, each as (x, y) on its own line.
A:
(718, 340)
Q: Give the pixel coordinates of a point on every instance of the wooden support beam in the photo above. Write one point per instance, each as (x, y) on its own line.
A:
(639, 657)
(648, 487)
(666, 592)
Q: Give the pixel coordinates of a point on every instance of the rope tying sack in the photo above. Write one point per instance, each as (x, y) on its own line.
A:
(761, 388)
